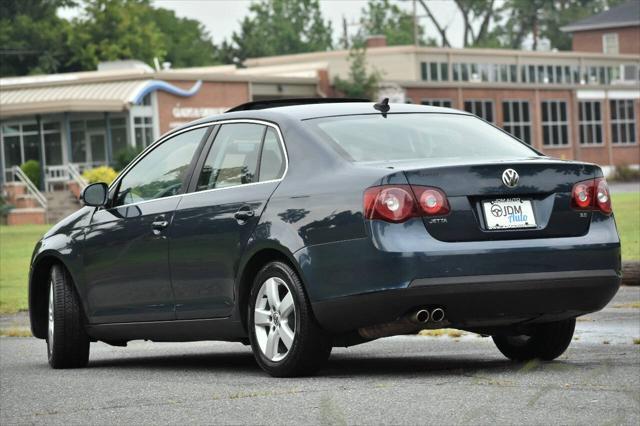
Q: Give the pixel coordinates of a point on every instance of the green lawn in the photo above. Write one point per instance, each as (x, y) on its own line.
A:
(626, 207)
(16, 245)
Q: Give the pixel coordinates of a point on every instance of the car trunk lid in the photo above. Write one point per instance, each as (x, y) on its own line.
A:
(543, 190)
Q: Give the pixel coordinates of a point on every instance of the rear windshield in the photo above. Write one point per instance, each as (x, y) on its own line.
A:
(372, 137)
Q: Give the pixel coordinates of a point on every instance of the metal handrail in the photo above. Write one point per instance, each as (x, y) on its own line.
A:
(33, 190)
(75, 175)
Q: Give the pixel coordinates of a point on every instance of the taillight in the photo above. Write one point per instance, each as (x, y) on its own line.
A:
(603, 197)
(432, 201)
(398, 203)
(583, 195)
(389, 203)
(592, 194)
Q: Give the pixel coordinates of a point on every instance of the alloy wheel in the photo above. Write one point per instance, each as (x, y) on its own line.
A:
(50, 328)
(274, 319)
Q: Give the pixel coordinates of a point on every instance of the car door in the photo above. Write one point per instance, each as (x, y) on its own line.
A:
(230, 188)
(126, 258)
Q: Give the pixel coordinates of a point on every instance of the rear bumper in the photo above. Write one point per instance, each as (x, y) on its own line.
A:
(369, 281)
(478, 302)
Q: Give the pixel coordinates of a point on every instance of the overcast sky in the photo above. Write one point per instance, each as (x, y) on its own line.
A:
(221, 17)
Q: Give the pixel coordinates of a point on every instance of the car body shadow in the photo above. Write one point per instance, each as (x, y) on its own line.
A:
(339, 365)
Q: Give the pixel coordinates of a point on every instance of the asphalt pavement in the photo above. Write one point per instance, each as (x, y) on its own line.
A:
(400, 380)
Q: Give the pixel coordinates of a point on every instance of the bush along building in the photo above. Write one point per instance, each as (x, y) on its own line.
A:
(581, 104)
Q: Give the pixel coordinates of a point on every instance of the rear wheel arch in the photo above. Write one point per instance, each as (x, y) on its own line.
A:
(251, 268)
(39, 292)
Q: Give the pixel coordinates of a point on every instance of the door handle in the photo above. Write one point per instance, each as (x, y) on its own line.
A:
(245, 213)
(159, 223)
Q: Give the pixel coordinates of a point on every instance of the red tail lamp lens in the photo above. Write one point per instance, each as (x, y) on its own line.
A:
(603, 197)
(390, 203)
(583, 195)
(432, 201)
(397, 203)
(592, 194)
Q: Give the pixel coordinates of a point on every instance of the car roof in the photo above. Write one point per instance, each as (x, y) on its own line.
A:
(280, 114)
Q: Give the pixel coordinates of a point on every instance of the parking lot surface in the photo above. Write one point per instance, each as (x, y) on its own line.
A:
(400, 380)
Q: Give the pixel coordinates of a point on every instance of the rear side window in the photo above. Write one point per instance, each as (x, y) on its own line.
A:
(371, 137)
(272, 161)
(233, 158)
(160, 173)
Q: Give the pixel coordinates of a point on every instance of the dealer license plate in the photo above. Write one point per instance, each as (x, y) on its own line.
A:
(508, 213)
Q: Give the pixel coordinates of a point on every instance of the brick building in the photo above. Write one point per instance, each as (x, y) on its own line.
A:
(583, 104)
(614, 31)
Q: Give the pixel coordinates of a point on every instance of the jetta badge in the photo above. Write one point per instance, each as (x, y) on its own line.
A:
(510, 178)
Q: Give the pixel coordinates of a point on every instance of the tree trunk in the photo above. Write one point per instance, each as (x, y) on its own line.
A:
(442, 31)
(484, 27)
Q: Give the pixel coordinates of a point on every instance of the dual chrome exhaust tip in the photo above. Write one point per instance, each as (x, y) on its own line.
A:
(423, 316)
(408, 324)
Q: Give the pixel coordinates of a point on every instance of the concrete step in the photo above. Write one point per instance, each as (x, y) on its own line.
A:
(25, 202)
(60, 204)
(12, 190)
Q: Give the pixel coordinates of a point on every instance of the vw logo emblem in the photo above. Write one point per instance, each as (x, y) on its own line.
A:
(510, 178)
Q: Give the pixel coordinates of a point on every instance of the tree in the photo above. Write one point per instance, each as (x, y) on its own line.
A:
(383, 18)
(478, 15)
(280, 27)
(186, 41)
(32, 37)
(115, 29)
(361, 83)
(516, 21)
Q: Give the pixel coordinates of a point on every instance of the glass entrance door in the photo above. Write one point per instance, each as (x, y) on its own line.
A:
(97, 149)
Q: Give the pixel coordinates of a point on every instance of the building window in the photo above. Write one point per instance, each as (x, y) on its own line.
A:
(435, 71)
(118, 128)
(481, 108)
(437, 102)
(596, 75)
(555, 127)
(21, 143)
(630, 73)
(52, 144)
(623, 125)
(460, 72)
(143, 130)
(590, 122)
(517, 119)
(610, 43)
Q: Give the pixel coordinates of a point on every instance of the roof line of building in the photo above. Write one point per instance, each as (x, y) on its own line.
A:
(100, 76)
(587, 27)
(623, 15)
(272, 60)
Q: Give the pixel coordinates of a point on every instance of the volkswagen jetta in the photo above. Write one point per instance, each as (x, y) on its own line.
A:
(298, 226)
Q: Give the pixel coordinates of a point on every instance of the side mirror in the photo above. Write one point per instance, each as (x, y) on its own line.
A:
(95, 195)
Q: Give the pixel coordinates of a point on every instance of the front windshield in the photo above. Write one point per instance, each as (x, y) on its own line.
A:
(371, 137)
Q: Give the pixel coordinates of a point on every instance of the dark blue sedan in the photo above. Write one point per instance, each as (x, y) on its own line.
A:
(299, 226)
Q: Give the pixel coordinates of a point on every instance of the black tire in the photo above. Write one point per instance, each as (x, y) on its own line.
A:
(311, 346)
(70, 346)
(546, 342)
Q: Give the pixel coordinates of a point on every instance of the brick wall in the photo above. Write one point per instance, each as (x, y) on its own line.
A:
(175, 110)
(591, 41)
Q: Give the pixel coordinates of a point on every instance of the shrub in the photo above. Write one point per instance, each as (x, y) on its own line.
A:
(100, 174)
(625, 173)
(123, 157)
(5, 208)
(32, 169)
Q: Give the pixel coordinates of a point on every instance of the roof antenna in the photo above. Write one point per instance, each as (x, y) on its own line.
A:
(383, 107)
